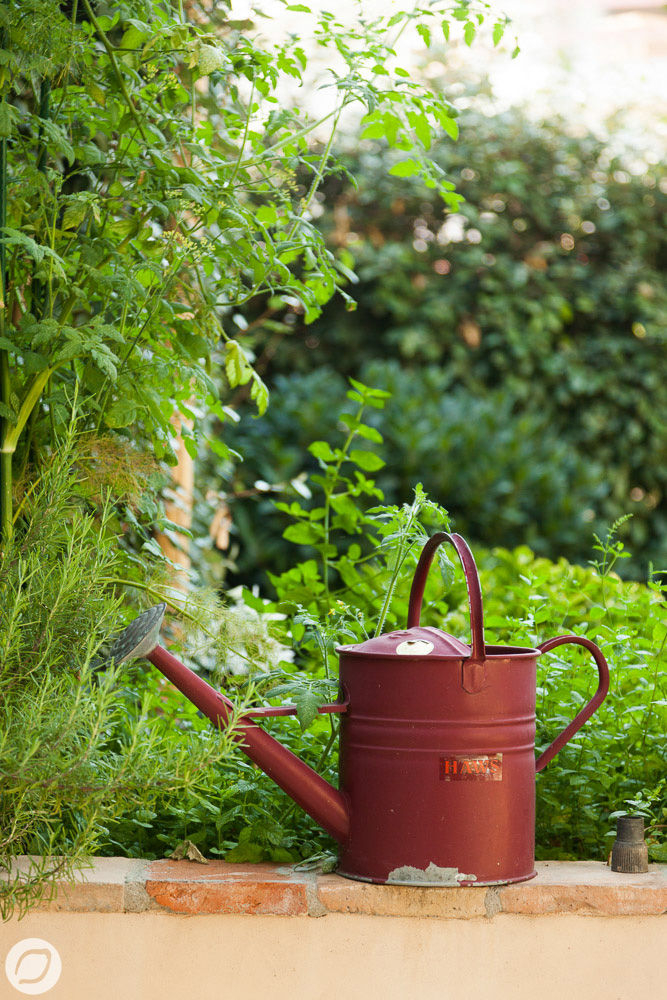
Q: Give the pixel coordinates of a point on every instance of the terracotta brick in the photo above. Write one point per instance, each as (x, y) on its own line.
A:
(114, 885)
(341, 895)
(587, 888)
(187, 887)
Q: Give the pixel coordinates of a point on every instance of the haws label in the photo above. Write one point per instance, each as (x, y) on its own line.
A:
(469, 767)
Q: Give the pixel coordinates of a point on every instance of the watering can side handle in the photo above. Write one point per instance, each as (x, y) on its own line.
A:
(273, 711)
(472, 585)
(587, 710)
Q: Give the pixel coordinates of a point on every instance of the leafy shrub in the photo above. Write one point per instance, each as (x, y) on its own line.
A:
(622, 749)
(353, 574)
(545, 291)
(80, 748)
(502, 474)
(153, 180)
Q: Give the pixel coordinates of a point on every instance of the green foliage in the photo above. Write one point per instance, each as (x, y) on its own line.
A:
(505, 475)
(620, 752)
(80, 748)
(651, 803)
(155, 179)
(542, 299)
(354, 577)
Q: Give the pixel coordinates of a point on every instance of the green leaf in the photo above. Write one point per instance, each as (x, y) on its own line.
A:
(6, 116)
(104, 360)
(267, 214)
(135, 36)
(74, 214)
(363, 430)
(121, 413)
(420, 124)
(304, 533)
(12, 237)
(469, 33)
(498, 31)
(370, 433)
(346, 507)
(366, 460)
(223, 451)
(307, 703)
(97, 94)
(376, 130)
(6, 413)
(658, 852)
(259, 393)
(210, 58)
(425, 34)
(322, 450)
(406, 168)
(57, 139)
(237, 366)
(249, 852)
(449, 125)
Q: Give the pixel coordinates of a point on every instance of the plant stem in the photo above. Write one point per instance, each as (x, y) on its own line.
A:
(38, 305)
(244, 140)
(401, 552)
(179, 608)
(327, 748)
(647, 714)
(5, 383)
(269, 154)
(318, 173)
(327, 502)
(6, 495)
(116, 68)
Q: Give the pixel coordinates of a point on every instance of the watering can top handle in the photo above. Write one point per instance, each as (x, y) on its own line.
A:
(472, 584)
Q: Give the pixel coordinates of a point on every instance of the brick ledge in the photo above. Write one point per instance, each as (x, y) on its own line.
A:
(122, 885)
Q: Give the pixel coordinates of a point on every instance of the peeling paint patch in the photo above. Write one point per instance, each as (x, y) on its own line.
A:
(431, 875)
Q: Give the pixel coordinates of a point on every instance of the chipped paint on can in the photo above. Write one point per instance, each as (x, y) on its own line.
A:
(432, 875)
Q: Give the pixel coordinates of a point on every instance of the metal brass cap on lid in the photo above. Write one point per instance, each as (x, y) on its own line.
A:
(629, 853)
(417, 642)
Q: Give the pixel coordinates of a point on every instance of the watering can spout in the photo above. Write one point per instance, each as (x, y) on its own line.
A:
(306, 787)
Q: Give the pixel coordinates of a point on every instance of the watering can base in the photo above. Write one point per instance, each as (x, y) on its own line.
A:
(441, 878)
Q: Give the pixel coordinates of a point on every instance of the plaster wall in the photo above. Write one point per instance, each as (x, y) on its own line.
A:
(161, 956)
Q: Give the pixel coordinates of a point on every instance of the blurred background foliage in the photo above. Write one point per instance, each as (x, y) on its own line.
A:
(522, 338)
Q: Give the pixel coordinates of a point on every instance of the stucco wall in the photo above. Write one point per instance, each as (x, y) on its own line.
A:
(576, 944)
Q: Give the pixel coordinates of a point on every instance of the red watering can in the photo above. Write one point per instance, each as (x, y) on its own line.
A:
(437, 745)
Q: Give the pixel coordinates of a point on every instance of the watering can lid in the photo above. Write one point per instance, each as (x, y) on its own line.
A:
(421, 640)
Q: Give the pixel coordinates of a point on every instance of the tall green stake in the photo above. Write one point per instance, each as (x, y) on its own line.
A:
(5, 456)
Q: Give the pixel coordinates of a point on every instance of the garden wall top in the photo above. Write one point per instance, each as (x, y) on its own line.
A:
(586, 888)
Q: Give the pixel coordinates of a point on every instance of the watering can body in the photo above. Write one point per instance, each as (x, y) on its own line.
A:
(440, 781)
(437, 747)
